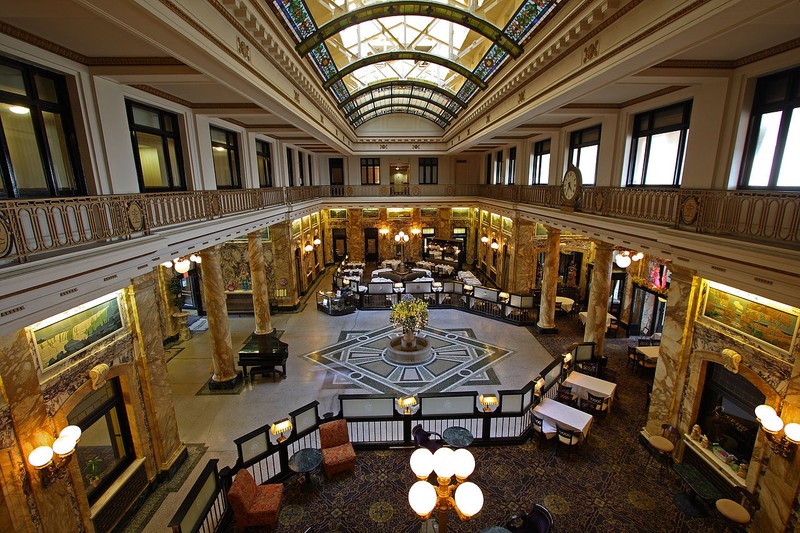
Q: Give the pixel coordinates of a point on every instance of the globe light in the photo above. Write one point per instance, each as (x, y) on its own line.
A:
(638, 256)
(772, 424)
(64, 445)
(443, 462)
(40, 457)
(765, 411)
(182, 266)
(167, 264)
(623, 261)
(71, 431)
(464, 463)
(792, 432)
(422, 497)
(422, 463)
(469, 499)
(484, 239)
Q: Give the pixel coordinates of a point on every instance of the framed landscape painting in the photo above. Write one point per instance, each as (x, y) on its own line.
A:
(68, 334)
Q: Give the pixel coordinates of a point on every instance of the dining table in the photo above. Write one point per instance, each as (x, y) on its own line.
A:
(584, 314)
(649, 352)
(564, 415)
(566, 303)
(582, 384)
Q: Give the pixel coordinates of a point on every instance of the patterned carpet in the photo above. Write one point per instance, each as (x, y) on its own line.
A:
(461, 360)
(602, 488)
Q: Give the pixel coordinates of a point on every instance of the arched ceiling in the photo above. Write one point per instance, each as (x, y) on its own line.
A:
(435, 54)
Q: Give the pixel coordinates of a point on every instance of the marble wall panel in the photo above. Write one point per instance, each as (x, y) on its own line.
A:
(283, 260)
(235, 263)
(524, 257)
(355, 235)
(166, 306)
(6, 429)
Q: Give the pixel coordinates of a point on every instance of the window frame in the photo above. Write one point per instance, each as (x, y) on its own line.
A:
(576, 142)
(370, 169)
(511, 171)
(290, 165)
(301, 171)
(498, 168)
(648, 133)
(428, 170)
(787, 104)
(489, 160)
(264, 162)
(164, 134)
(310, 172)
(540, 149)
(36, 105)
(231, 146)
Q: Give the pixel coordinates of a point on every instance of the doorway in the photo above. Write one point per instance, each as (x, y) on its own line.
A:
(398, 178)
(339, 244)
(371, 245)
(336, 173)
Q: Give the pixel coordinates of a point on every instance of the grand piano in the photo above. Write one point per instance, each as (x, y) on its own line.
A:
(263, 354)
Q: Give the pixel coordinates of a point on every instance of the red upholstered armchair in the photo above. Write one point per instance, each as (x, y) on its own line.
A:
(337, 452)
(254, 505)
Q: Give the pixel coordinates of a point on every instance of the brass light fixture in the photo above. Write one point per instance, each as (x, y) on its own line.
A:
(280, 427)
(784, 445)
(488, 400)
(47, 460)
(406, 403)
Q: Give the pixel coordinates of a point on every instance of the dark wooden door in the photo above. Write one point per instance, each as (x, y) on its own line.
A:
(371, 245)
(339, 244)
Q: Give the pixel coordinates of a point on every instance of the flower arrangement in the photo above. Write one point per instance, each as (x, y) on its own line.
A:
(644, 282)
(410, 315)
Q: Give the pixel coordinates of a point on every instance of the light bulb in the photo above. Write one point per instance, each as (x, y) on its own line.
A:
(422, 497)
(792, 432)
(464, 463)
(71, 431)
(765, 411)
(469, 498)
(64, 445)
(623, 261)
(772, 424)
(638, 256)
(422, 463)
(41, 456)
(182, 266)
(167, 264)
(443, 462)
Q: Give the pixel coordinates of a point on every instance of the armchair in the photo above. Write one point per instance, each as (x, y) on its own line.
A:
(338, 454)
(254, 505)
(423, 438)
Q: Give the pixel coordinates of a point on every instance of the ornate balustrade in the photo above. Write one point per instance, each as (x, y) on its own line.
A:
(36, 226)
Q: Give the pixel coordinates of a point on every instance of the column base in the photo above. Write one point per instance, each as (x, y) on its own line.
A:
(225, 385)
(544, 330)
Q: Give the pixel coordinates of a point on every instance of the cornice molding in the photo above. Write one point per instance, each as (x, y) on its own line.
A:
(734, 63)
(627, 103)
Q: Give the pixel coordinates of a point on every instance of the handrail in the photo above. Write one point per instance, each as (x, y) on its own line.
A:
(206, 504)
(31, 227)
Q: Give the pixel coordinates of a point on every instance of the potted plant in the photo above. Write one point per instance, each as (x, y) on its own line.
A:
(94, 467)
(176, 288)
(410, 315)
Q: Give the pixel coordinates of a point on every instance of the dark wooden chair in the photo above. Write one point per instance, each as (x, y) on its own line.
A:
(423, 438)
(564, 395)
(643, 364)
(631, 362)
(544, 429)
(539, 520)
(596, 405)
(568, 438)
(590, 368)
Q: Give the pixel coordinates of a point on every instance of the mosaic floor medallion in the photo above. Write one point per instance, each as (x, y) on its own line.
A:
(460, 360)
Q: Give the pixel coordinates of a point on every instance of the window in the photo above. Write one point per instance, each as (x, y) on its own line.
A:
(428, 170)
(264, 163)
(512, 165)
(310, 172)
(156, 148)
(658, 145)
(488, 169)
(584, 148)
(772, 156)
(540, 172)
(38, 149)
(290, 165)
(225, 149)
(106, 447)
(498, 168)
(370, 171)
(301, 168)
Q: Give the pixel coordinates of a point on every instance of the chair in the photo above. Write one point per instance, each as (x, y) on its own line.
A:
(567, 437)
(642, 363)
(544, 428)
(737, 515)
(254, 505)
(564, 395)
(590, 368)
(631, 362)
(645, 342)
(613, 328)
(661, 448)
(338, 454)
(539, 520)
(596, 405)
(423, 438)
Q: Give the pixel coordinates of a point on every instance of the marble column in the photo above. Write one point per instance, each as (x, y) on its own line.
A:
(597, 308)
(283, 264)
(225, 374)
(547, 307)
(152, 368)
(53, 508)
(524, 257)
(675, 350)
(167, 302)
(258, 273)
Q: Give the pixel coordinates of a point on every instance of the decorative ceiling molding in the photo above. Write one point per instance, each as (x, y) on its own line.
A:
(627, 103)
(355, 111)
(403, 83)
(731, 64)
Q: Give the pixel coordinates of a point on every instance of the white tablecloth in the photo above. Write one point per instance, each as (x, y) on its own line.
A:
(443, 269)
(380, 270)
(566, 303)
(564, 416)
(391, 263)
(581, 384)
(425, 270)
(425, 264)
(650, 352)
(381, 280)
(353, 278)
(584, 314)
(426, 278)
(353, 265)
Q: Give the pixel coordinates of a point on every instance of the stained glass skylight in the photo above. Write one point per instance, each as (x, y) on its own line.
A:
(431, 56)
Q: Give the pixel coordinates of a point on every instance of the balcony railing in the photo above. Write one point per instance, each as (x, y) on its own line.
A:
(30, 228)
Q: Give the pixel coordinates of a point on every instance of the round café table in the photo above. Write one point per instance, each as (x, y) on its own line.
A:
(457, 437)
(304, 461)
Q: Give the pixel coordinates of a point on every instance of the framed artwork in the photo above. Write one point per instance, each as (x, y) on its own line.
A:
(399, 212)
(495, 220)
(66, 335)
(758, 319)
(297, 227)
(371, 212)
(507, 225)
(460, 212)
(314, 220)
(337, 213)
(429, 212)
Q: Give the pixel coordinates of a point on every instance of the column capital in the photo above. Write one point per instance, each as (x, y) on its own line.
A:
(602, 245)
(681, 274)
(552, 231)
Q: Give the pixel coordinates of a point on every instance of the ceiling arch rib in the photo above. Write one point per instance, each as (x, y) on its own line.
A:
(446, 113)
(414, 8)
(386, 110)
(391, 84)
(404, 55)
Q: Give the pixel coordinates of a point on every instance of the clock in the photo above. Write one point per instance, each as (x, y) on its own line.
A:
(571, 186)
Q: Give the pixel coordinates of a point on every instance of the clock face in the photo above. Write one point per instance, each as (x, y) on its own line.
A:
(570, 185)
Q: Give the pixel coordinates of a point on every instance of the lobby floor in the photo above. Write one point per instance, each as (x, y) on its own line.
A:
(215, 420)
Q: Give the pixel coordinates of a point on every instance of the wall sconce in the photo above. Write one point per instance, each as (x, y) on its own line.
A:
(280, 427)
(484, 239)
(415, 232)
(436, 286)
(504, 296)
(317, 241)
(181, 264)
(401, 237)
(638, 256)
(308, 247)
(784, 445)
(398, 287)
(48, 460)
(495, 245)
(384, 232)
(623, 259)
(468, 288)
(567, 360)
(406, 403)
(538, 386)
(487, 400)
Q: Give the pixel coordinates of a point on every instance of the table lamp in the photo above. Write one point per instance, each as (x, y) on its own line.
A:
(280, 427)
(406, 403)
(487, 400)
